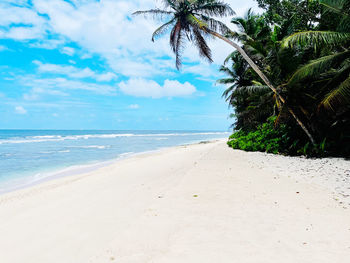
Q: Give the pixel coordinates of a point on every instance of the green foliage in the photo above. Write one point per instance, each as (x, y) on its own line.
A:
(274, 139)
(291, 15)
(266, 138)
(334, 58)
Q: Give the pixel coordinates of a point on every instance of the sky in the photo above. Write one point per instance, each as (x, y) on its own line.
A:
(89, 64)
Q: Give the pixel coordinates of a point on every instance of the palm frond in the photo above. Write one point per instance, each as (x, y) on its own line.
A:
(318, 66)
(215, 25)
(333, 78)
(174, 35)
(227, 71)
(338, 96)
(317, 39)
(336, 6)
(344, 25)
(162, 29)
(225, 81)
(252, 90)
(229, 57)
(169, 3)
(153, 13)
(213, 8)
(194, 21)
(228, 92)
(201, 44)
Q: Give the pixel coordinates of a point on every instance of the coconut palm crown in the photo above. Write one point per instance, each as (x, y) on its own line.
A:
(191, 20)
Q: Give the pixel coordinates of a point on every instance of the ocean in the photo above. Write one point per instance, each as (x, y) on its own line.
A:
(31, 156)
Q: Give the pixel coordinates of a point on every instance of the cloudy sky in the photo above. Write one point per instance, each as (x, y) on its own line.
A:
(88, 64)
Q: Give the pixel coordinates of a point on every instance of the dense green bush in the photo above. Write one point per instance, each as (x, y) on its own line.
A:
(267, 138)
(279, 140)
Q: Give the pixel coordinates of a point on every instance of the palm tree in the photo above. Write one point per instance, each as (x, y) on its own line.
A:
(237, 76)
(336, 63)
(251, 100)
(254, 33)
(192, 19)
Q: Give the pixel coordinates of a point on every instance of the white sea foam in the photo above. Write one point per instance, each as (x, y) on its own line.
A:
(92, 147)
(125, 154)
(46, 137)
(55, 138)
(52, 152)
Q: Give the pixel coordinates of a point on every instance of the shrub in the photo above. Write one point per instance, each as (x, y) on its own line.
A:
(278, 140)
(267, 138)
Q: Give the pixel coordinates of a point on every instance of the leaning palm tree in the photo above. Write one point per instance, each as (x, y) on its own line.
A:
(193, 20)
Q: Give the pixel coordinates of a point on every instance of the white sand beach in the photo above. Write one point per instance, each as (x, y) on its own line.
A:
(198, 203)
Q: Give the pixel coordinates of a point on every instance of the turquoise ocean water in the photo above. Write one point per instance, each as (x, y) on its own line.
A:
(30, 156)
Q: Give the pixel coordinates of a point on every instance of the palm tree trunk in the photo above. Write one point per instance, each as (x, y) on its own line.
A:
(263, 77)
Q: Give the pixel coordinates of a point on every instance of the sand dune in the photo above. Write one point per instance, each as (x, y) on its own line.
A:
(199, 203)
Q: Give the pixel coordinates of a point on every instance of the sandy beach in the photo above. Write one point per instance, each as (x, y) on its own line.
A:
(197, 203)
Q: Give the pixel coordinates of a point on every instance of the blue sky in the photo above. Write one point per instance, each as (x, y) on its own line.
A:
(87, 64)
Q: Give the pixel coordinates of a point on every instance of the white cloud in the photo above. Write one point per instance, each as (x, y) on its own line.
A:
(68, 51)
(134, 106)
(21, 23)
(105, 76)
(74, 72)
(203, 71)
(150, 88)
(20, 110)
(86, 56)
(21, 33)
(48, 43)
(106, 28)
(37, 91)
(10, 14)
(61, 87)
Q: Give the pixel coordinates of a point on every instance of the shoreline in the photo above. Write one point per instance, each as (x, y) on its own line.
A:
(80, 169)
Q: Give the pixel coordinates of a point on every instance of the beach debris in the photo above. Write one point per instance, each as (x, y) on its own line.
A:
(195, 195)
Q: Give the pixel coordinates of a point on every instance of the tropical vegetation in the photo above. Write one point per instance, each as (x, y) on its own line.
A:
(288, 78)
